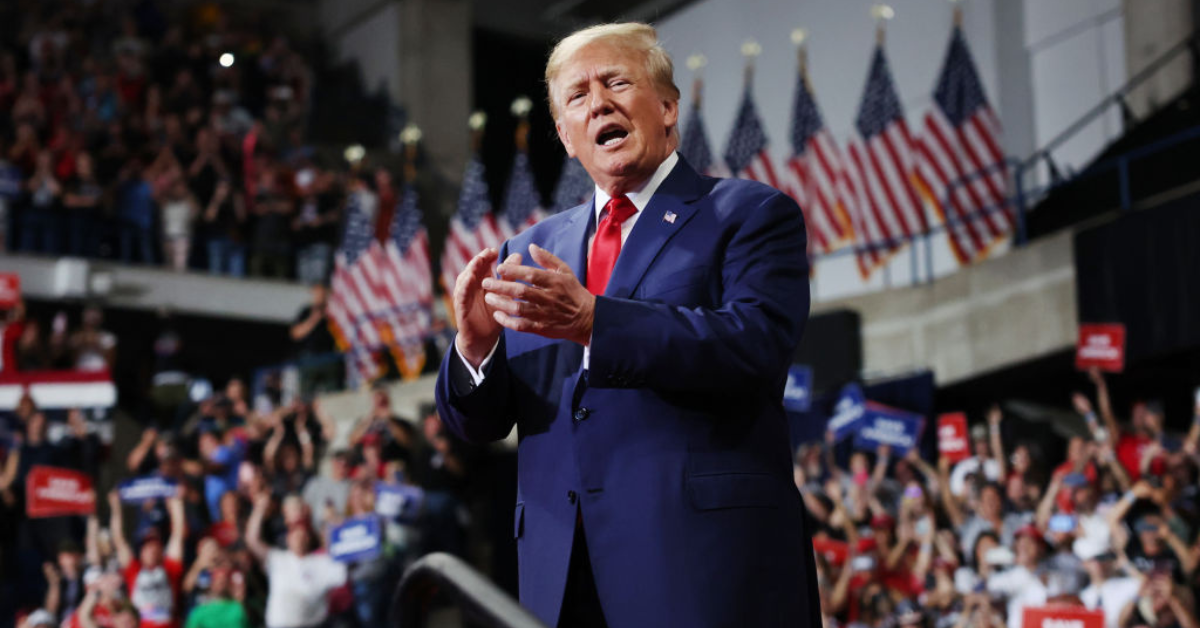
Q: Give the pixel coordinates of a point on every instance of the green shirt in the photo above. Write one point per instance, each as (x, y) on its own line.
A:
(218, 614)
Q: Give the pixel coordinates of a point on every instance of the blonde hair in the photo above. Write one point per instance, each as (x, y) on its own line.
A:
(628, 35)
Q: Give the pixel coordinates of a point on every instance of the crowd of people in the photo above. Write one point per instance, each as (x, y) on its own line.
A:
(902, 541)
(28, 344)
(180, 142)
(243, 538)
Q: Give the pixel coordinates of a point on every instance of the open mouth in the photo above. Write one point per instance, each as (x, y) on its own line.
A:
(611, 135)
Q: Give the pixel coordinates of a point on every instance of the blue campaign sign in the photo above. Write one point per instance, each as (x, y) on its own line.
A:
(847, 412)
(885, 425)
(797, 394)
(143, 489)
(398, 501)
(360, 538)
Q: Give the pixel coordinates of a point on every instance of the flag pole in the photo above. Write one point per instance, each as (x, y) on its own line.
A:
(750, 50)
(476, 123)
(521, 108)
(882, 13)
(411, 138)
(696, 64)
(800, 40)
(957, 21)
(799, 36)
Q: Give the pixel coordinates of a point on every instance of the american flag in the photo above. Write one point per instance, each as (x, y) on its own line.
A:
(574, 185)
(694, 144)
(522, 203)
(959, 155)
(352, 295)
(815, 174)
(472, 229)
(746, 155)
(406, 286)
(887, 208)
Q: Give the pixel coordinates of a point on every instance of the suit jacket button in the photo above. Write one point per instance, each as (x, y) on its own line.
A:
(581, 414)
(572, 496)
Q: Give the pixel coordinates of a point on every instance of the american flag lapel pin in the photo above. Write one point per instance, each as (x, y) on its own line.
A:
(669, 217)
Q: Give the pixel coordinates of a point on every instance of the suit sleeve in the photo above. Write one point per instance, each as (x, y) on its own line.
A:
(476, 412)
(744, 343)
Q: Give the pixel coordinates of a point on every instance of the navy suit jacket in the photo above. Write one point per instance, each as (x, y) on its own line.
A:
(673, 445)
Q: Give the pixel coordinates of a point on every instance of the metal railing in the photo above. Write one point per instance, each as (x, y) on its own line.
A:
(442, 575)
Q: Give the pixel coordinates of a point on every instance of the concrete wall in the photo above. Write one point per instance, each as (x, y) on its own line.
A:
(1150, 30)
(419, 53)
(995, 314)
(145, 288)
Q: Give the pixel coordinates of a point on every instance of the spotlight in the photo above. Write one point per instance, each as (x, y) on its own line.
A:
(226, 60)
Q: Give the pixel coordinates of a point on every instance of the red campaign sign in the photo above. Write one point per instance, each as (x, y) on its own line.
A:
(54, 492)
(952, 436)
(1062, 617)
(1101, 345)
(832, 550)
(10, 289)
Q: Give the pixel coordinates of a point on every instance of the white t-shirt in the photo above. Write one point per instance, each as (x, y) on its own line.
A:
(1094, 535)
(1111, 597)
(1020, 587)
(299, 586)
(177, 219)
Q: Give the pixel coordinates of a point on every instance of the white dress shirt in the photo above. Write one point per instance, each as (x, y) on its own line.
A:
(640, 197)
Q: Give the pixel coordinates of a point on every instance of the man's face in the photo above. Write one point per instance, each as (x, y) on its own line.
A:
(611, 116)
(69, 563)
(151, 553)
(989, 502)
(1076, 448)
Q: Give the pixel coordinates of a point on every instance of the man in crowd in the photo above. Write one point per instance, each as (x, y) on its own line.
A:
(153, 575)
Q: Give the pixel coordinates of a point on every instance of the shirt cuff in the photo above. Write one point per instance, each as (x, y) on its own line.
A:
(476, 374)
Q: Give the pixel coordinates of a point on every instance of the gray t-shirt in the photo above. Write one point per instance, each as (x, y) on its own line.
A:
(322, 489)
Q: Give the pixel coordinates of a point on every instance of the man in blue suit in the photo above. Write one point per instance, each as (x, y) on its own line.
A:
(641, 350)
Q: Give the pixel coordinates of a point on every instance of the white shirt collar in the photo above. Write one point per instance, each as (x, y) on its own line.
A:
(640, 195)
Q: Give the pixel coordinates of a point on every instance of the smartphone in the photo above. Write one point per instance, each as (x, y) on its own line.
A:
(863, 563)
(1062, 523)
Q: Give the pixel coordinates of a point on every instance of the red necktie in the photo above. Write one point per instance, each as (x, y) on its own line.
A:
(607, 245)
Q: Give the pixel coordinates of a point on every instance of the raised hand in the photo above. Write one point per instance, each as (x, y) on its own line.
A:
(994, 415)
(1082, 404)
(547, 301)
(477, 330)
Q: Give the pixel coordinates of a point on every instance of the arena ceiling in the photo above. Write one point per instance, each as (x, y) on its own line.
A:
(549, 19)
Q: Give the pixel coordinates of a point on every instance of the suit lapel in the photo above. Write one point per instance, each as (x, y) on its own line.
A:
(574, 239)
(667, 213)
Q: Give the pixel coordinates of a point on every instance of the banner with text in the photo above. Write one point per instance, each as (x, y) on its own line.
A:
(398, 501)
(1101, 345)
(357, 539)
(952, 436)
(885, 425)
(10, 290)
(797, 394)
(144, 489)
(1062, 617)
(56, 492)
(847, 412)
